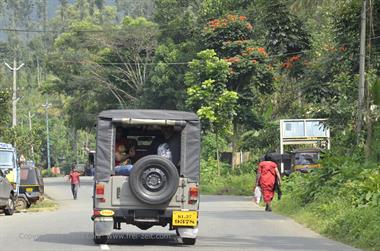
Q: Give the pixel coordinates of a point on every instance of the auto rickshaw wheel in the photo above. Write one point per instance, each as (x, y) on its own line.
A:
(21, 203)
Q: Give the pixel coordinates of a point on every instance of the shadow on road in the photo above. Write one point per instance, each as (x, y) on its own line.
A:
(268, 242)
(241, 215)
(225, 198)
(73, 238)
(150, 238)
(137, 239)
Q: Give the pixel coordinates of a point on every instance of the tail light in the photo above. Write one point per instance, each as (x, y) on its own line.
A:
(99, 189)
(193, 195)
(96, 213)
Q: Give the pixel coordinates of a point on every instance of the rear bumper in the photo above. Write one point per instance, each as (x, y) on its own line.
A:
(138, 217)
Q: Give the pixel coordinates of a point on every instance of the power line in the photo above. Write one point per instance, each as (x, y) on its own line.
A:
(170, 63)
(374, 38)
(89, 30)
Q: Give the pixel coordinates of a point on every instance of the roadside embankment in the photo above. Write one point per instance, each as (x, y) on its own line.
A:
(340, 201)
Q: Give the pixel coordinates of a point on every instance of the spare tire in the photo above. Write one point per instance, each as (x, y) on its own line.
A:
(154, 179)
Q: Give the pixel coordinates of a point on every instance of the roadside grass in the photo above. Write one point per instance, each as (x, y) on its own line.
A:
(44, 205)
(355, 226)
(228, 185)
(340, 201)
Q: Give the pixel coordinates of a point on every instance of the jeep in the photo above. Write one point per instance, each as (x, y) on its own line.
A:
(158, 185)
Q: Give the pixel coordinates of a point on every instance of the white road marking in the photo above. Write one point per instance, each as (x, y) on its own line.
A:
(104, 247)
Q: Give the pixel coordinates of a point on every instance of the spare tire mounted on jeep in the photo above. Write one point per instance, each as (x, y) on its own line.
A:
(154, 179)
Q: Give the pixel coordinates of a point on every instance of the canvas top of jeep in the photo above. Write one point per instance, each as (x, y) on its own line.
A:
(155, 183)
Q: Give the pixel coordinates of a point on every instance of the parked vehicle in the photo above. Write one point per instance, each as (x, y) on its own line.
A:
(7, 196)
(304, 160)
(9, 164)
(31, 186)
(160, 190)
(89, 168)
(285, 158)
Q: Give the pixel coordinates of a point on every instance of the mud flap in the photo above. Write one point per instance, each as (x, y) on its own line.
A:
(187, 232)
(103, 226)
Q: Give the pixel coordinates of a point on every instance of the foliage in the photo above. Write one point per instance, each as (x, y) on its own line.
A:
(250, 72)
(207, 92)
(285, 32)
(210, 144)
(226, 183)
(25, 140)
(344, 195)
(48, 173)
(264, 140)
(166, 88)
(5, 109)
(111, 67)
(229, 185)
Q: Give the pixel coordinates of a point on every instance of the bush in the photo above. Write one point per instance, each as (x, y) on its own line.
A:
(340, 200)
(48, 173)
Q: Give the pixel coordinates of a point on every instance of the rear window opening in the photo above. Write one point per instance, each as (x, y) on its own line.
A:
(28, 176)
(306, 158)
(132, 142)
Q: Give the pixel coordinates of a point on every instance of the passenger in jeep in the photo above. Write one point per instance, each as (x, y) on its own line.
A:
(125, 164)
(168, 144)
(124, 148)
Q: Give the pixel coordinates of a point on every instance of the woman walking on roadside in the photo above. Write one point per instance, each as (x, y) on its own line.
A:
(266, 179)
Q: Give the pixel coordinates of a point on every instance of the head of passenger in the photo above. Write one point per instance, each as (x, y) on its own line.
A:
(131, 147)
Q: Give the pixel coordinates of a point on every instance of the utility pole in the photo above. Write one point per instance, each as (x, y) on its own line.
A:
(14, 95)
(361, 97)
(46, 106)
(30, 116)
(38, 73)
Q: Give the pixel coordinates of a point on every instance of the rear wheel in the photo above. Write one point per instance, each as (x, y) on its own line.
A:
(100, 239)
(189, 241)
(10, 208)
(21, 203)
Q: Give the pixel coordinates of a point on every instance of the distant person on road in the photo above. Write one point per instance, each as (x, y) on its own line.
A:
(266, 180)
(75, 181)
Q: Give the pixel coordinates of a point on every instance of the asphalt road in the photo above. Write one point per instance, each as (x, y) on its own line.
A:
(226, 222)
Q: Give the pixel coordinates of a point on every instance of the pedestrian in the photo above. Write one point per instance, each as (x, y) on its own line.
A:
(266, 180)
(75, 181)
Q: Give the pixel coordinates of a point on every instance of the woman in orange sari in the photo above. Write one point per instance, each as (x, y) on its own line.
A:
(266, 179)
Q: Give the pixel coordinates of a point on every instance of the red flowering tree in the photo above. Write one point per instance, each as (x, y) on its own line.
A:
(231, 28)
(251, 73)
(250, 69)
(294, 66)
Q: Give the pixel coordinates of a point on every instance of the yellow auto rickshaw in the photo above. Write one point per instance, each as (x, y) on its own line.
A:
(304, 160)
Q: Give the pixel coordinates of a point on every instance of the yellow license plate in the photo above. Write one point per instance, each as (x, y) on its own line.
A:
(29, 190)
(185, 218)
